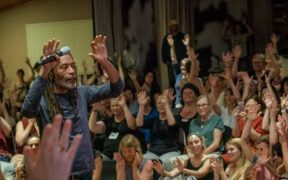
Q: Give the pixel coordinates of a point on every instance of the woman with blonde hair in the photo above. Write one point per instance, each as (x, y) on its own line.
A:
(130, 163)
(237, 165)
(196, 166)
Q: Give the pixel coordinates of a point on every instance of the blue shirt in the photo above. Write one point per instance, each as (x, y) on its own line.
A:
(152, 114)
(34, 105)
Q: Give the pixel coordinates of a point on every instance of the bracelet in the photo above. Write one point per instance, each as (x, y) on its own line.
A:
(283, 110)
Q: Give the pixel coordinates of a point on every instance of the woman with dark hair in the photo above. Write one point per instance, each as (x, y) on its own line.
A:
(239, 36)
(228, 109)
(150, 84)
(284, 87)
(21, 87)
(187, 112)
(130, 163)
(196, 166)
(241, 118)
(164, 132)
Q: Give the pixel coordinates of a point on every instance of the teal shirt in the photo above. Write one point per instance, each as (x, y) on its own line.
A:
(206, 129)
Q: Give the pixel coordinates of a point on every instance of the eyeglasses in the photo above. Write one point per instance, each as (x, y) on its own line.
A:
(201, 105)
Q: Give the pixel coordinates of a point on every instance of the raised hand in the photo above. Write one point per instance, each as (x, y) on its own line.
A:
(170, 40)
(97, 106)
(132, 74)
(268, 77)
(253, 113)
(284, 102)
(54, 158)
(241, 114)
(216, 164)
(99, 49)
(192, 55)
(239, 83)
(212, 80)
(267, 99)
(179, 165)
(227, 74)
(119, 62)
(119, 160)
(48, 50)
(169, 93)
(51, 47)
(269, 50)
(137, 160)
(227, 57)
(274, 38)
(163, 99)
(121, 100)
(142, 98)
(186, 40)
(158, 167)
(246, 79)
(84, 64)
(281, 128)
(237, 50)
(27, 61)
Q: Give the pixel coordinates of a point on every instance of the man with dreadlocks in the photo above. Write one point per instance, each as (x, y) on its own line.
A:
(55, 91)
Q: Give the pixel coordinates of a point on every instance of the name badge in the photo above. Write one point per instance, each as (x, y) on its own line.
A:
(113, 135)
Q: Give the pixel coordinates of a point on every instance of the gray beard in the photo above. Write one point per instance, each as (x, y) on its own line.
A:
(67, 85)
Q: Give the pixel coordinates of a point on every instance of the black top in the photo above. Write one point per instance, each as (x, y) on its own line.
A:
(114, 133)
(163, 137)
(189, 166)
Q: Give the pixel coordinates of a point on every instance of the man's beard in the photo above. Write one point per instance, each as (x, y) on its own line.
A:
(65, 84)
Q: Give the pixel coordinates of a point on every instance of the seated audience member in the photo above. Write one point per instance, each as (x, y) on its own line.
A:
(120, 124)
(282, 130)
(164, 132)
(218, 85)
(21, 87)
(5, 134)
(7, 170)
(150, 84)
(187, 112)
(25, 128)
(188, 70)
(19, 167)
(197, 165)
(130, 163)
(100, 110)
(284, 87)
(241, 118)
(149, 112)
(133, 104)
(33, 142)
(208, 125)
(237, 165)
(98, 77)
(262, 143)
(54, 158)
(228, 109)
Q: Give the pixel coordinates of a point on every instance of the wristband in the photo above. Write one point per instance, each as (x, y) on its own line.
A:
(283, 110)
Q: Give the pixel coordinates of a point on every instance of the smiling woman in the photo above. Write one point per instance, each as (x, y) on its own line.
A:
(209, 125)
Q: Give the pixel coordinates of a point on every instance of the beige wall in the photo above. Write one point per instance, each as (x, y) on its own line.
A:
(13, 45)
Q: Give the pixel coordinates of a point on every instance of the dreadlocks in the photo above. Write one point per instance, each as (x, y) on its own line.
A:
(50, 98)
